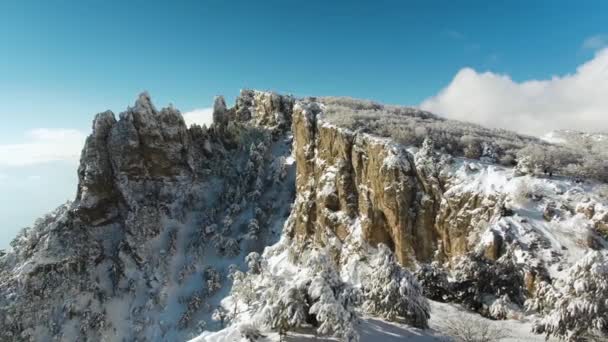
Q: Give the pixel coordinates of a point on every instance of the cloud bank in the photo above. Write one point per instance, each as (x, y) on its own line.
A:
(203, 116)
(576, 101)
(43, 145)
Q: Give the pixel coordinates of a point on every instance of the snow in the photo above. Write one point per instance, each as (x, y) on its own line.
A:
(372, 329)
(555, 243)
(566, 235)
(444, 314)
(554, 138)
(474, 177)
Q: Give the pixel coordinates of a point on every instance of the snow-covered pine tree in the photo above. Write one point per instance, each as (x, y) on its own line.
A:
(243, 289)
(332, 299)
(290, 310)
(221, 316)
(576, 306)
(254, 262)
(253, 229)
(391, 292)
(250, 332)
(213, 279)
(231, 247)
(475, 280)
(434, 281)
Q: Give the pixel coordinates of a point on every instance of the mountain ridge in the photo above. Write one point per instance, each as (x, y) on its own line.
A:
(166, 214)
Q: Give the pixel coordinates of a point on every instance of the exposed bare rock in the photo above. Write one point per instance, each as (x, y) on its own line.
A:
(220, 113)
(550, 212)
(587, 209)
(158, 204)
(396, 197)
(343, 176)
(493, 247)
(266, 108)
(135, 243)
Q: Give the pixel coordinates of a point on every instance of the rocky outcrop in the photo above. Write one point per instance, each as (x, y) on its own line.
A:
(347, 180)
(157, 203)
(601, 224)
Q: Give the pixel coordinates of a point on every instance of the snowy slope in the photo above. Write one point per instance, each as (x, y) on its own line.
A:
(557, 241)
(373, 329)
(534, 237)
(157, 244)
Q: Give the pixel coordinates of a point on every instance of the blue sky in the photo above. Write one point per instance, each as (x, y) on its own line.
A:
(63, 61)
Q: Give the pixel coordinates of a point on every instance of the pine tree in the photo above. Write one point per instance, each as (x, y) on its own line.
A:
(575, 307)
(392, 292)
(254, 262)
(332, 299)
(253, 229)
(212, 279)
(231, 247)
(220, 315)
(289, 311)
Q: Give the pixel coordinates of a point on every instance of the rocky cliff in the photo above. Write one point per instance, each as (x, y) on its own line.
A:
(480, 225)
(398, 197)
(164, 213)
(162, 210)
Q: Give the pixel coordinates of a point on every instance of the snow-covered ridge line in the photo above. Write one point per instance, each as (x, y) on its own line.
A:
(465, 216)
(168, 218)
(162, 212)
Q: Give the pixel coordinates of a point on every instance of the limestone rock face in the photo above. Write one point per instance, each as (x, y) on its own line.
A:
(396, 197)
(601, 224)
(266, 108)
(163, 209)
(96, 192)
(156, 203)
(493, 248)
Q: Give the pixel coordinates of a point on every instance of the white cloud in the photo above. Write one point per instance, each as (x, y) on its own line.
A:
(596, 42)
(203, 116)
(574, 101)
(43, 145)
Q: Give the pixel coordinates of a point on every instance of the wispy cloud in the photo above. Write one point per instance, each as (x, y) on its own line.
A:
(454, 34)
(469, 45)
(43, 145)
(202, 116)
(596, 42)
(572, 101)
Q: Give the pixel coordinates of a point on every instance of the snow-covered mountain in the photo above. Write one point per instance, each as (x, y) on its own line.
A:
(284, 216)
(162, 212)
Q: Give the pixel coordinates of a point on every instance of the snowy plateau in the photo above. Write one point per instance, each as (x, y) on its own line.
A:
(316, 219)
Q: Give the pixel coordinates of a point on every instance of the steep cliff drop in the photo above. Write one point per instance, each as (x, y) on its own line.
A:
(162, 211)
(166, 216)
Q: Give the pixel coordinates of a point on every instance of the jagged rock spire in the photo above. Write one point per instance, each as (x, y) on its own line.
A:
(219, 111)
(144, 103)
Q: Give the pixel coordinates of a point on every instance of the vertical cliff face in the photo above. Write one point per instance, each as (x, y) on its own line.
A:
(161, 211)
(347, 179)
(497, 237)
